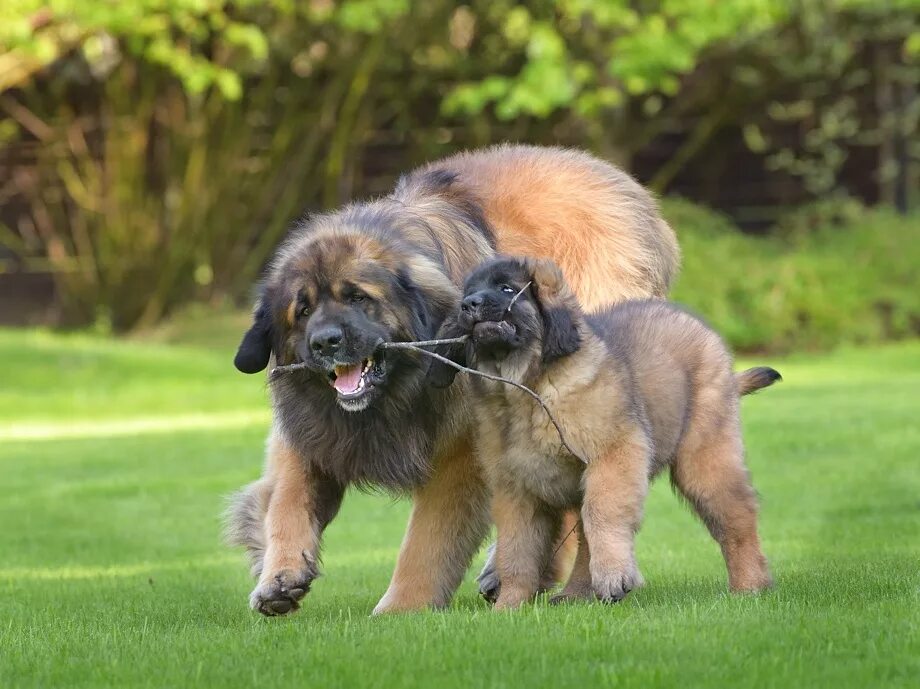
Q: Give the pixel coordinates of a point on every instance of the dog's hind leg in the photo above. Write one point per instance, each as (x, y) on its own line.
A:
(710, 473)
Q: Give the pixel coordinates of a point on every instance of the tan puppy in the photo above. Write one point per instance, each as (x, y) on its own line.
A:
(636, 387)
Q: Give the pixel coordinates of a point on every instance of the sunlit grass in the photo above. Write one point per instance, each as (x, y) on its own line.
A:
(115, 460)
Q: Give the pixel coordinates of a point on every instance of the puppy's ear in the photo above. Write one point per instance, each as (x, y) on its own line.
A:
(560, 334)
(256, 347)
(559, 309)
(440, 375)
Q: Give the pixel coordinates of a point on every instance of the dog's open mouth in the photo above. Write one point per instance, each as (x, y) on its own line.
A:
(352, 382)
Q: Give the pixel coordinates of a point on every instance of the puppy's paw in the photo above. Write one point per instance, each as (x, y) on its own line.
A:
(512, 597)
(490, 586)
(281, 593)
(612, 585)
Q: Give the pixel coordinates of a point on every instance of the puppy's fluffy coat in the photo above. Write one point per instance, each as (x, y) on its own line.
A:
(637, 387)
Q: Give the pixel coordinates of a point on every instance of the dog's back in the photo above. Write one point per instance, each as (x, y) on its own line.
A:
(680, 369)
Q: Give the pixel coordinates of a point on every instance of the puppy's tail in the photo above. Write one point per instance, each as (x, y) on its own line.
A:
(755, 379)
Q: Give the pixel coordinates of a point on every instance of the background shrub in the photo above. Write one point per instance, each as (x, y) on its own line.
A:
(854, 282)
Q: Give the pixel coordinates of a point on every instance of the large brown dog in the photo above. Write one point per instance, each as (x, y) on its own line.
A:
(637, 388)
(390, 270)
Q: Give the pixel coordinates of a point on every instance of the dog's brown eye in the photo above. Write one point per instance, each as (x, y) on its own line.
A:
(304, 311)
(357, 297)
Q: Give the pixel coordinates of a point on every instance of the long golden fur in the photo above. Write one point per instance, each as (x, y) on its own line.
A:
(637, 388)
(391, 269)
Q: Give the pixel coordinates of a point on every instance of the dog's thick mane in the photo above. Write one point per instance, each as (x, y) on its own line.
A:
(438, 231)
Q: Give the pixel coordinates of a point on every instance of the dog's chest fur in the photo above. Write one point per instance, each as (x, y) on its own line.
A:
(519, 446)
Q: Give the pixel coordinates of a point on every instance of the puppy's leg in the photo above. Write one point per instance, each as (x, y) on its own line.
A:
(450, 517)
(579, 584)
(565, 550)
(300, 506)
(615, 487)
(526, 531)
(712, 476)
(561, 564)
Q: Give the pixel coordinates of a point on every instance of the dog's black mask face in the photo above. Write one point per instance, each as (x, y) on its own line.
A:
(332, 313)
(499, 310)
(510, 305)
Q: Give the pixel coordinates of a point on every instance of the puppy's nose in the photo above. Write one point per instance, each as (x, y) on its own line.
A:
(471, 304)
(326, 340)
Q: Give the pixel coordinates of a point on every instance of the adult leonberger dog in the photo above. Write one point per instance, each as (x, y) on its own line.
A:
(390, 270)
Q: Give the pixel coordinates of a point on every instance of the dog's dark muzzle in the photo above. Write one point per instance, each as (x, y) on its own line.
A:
(480, 307)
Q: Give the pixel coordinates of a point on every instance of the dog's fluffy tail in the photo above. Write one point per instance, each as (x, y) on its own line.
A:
(244, 521)
(757, 378)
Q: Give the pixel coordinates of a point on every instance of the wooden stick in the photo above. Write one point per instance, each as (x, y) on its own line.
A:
(288, 368)
(278, 370)
(417, 347)
(423, 343)
(489, 376)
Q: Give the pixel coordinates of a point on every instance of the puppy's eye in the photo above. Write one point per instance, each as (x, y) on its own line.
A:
(507, 289)
(357, 297)
(304, 311)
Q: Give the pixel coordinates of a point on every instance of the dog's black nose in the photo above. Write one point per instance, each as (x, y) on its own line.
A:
(326, 340)
(471, 303)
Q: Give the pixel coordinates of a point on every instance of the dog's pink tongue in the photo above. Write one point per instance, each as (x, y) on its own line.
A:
(347, 378)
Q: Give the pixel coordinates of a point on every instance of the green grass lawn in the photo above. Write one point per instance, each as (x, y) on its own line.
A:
(115, 458)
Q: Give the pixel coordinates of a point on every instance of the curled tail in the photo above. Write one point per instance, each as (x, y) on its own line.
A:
(756, 378)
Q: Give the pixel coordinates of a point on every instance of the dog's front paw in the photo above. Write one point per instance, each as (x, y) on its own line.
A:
(490, 586)
(613, 584)
(281, 593)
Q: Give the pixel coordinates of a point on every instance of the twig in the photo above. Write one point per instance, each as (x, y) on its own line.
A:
(288, 368)
(417, 347)
(515, 297)
(562, 542)
(498, 379)
(422, 343)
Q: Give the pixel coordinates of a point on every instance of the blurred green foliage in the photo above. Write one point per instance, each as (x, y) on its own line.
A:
(834, 273)
(174, 140)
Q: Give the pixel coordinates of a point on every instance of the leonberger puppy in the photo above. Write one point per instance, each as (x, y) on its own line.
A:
(636, 388)
(390, 270)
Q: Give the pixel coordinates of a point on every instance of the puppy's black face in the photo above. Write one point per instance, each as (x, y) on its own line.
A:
(500, 311)
(511, 305)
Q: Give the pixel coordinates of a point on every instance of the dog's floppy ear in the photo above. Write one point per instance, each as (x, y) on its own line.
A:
(440, 375)
(559, 309)
(256, 347)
